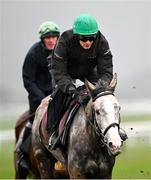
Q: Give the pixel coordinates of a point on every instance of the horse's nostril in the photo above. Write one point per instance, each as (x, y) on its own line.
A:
(110, 144)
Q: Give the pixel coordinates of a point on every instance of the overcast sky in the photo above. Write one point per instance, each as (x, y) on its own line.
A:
(125, 24)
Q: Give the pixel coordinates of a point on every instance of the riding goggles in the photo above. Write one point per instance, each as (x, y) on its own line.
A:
(87, 38)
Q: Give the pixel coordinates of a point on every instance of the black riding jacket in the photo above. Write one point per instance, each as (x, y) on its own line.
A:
(71, 61)
(36, 76)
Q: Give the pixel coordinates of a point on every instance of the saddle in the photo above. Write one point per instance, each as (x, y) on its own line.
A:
(61, 134)
(67, 119)
(66, 122)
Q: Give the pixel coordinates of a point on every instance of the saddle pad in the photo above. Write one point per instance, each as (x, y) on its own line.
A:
(40, 113)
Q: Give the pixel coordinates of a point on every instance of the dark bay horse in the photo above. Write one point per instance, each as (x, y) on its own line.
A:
(34, 172)
(19, 173)
(93, 141)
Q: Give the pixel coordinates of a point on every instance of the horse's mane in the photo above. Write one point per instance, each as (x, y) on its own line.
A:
(101, 86)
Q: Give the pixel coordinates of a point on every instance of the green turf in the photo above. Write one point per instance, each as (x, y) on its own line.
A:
(134, 117)
(7, 123)
(133, 163)
(6, 161)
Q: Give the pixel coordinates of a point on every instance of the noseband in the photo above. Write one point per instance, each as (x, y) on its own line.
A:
(98, 131)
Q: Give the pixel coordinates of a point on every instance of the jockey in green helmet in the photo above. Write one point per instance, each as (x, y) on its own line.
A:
(85, 25)
(48, 28)
(81, 52)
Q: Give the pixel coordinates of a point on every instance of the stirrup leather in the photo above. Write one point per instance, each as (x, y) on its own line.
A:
(51, 139)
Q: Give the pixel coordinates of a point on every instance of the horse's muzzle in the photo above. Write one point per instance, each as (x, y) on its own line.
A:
(114, 150)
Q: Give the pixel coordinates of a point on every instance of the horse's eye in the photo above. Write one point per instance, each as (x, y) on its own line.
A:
(97, 112)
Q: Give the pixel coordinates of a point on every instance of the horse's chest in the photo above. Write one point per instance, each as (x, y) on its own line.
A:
(92, 163)
(98, 166)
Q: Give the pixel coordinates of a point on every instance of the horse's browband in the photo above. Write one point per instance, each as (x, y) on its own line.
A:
(104, 93)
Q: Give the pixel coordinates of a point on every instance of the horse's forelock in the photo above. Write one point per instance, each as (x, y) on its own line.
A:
(101, 86)
(106, 85)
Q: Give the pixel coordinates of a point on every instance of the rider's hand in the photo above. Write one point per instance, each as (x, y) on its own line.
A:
(72, 91)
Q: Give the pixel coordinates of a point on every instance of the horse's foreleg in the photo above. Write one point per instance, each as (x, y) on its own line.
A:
(74, 173)
(19, 172)
(45, 167)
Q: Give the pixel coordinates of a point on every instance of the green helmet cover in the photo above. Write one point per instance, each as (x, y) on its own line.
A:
(48, 27)
(85, 24)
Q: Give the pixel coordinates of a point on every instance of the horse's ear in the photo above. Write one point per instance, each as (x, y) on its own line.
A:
(90, 87)
(113, 82)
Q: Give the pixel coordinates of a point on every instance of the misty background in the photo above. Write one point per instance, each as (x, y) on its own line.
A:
(125, 24)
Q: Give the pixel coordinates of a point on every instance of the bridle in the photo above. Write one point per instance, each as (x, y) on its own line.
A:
(93, 121)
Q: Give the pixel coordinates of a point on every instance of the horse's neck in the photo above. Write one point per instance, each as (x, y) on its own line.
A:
(84, 129)
(88, 109)
(89, 122)
(89, 116)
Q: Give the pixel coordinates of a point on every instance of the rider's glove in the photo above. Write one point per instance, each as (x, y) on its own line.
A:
(72, 91)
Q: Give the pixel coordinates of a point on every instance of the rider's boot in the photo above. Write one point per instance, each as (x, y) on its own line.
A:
(22, 147)
(123, 134)
(52, 124)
